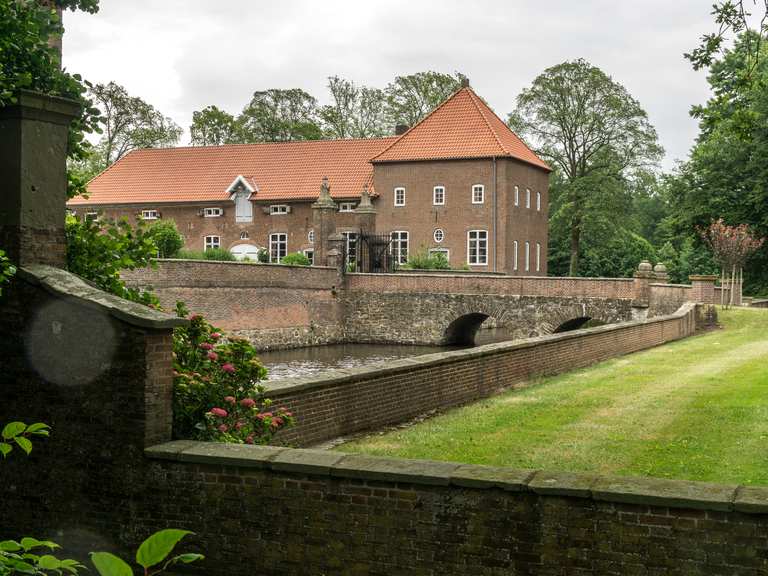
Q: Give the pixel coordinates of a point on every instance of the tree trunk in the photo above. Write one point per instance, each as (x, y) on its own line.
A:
(722, 287)
(733, 286)
(573, 269)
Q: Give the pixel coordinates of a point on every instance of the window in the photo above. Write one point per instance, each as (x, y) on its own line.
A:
(212, 242)
(444, 252)
(278, 247)
(527, 197)
(150, 215)
(399, 196)
(243, 208)
(538, 201)
(243, 235)
(350, 247)
(438, 235)
(279, 209)
(527, 256)
(477, 247)
(538, 257)
(310, 254)
(399, 246)
(514, 255)
(438, 195)
(517, 196)
(478, 194)
(213, 212)
(347, 207)
(311, 236)
(91, 216)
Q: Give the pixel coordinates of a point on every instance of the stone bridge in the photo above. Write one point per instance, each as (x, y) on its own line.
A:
(288, 306)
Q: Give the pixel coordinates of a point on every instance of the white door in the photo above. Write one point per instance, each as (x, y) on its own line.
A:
(242, 251)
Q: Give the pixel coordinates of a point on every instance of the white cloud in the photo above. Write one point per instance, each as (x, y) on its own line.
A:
(182, 55)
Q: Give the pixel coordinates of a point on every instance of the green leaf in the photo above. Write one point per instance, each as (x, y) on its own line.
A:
(5, 448)
(110, 565)
(23, 443)
(38, 427)
(187, 558)
(156, 548)
(13, 429)
(28, 543)
(48, 562)
(9, 546)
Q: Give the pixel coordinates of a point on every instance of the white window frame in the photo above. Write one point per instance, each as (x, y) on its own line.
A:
(399, 196)
(275, 241)
(438, 195)
(475, 189)
(350, 238)
(527, 197)
(396, 245)
(91, 217)
(538, 201)
(438, 232)
(517, 195)
(527, 256)
(244, 235)
(477, 239)
(346, 206)
(311, 236)
(441, 250)
(212, 242)
(538, 256)
(514, 255)
(150, 214)
(213, 212)
(278, 209)
(310, 254)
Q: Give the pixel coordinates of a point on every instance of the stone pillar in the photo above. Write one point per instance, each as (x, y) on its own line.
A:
(660, 273)
(703, 288)
(336, 254)
(643, 276)
(366, 213)
(33, 172)
(323, 222)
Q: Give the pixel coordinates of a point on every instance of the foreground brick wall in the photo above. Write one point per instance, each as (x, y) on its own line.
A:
(351, 400)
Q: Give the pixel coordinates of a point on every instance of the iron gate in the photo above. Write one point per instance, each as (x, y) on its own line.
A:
(373, 254)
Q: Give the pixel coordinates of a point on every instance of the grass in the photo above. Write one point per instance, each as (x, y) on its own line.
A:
(694, 409)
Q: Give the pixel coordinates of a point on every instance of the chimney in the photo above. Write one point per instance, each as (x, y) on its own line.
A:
(33, 169)
(401, 129)
(465, 82)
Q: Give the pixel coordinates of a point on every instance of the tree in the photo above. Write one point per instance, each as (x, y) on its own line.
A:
(214, 127)
(277, 115)
(130, 123)
(356, 111)
(410, 98)
(596, 136)
(166, 237)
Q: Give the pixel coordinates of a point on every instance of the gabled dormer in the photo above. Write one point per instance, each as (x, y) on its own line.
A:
(240, 192)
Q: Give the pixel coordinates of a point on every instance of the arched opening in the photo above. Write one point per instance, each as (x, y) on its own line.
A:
(577, 323)
(462, 330)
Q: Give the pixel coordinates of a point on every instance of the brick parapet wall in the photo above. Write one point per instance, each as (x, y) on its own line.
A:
(666, 298)
(315, 512)
(347, 401)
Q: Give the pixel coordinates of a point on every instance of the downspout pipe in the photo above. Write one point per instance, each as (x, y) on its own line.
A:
(495, 213)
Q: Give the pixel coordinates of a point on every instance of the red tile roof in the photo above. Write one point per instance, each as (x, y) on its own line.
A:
(461, 127)
(279, 171)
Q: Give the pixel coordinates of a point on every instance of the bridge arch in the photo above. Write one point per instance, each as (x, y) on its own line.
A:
(578, 323)
(462, 331)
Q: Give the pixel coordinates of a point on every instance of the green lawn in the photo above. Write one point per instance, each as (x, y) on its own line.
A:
(694, 409)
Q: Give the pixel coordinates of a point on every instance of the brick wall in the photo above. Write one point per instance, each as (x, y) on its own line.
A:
(666, 298)
(339, 403)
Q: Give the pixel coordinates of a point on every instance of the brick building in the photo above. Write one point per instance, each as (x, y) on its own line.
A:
(459, 182)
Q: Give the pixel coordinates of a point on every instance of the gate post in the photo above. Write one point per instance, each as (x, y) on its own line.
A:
(642, 286)
(366, 213)
(323, 222)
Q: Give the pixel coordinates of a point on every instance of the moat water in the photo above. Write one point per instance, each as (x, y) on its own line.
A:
(316, 359)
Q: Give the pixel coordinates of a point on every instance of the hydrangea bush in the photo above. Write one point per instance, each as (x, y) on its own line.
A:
(217, 393)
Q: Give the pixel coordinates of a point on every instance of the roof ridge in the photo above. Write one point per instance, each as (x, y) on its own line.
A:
(278, 142)
(435, 109)
(474, 97)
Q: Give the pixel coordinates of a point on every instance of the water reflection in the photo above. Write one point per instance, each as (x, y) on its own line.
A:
(315, 359)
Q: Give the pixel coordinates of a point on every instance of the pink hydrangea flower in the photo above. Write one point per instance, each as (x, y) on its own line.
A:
(223, 428)
(212, 355)
(249, 440)
(239, 424)
(220, 412)
(228, 368)
(247, 402)
(230, 399)
(206, 346)
(195, 316)
(215, 335)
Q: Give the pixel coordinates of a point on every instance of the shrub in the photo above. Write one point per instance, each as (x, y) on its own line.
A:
(217, 395)
(6, 270)
(212, 254)
(262, 255)
(422, 260)
(295, 259)
(166, 237)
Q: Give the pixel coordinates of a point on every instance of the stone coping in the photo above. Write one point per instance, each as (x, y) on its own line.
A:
(497, 275)
(389, 367)
(67, 285)
(241, 263)
(619, 489)
(671, 285)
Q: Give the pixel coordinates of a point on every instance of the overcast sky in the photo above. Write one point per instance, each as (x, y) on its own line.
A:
(182, 55)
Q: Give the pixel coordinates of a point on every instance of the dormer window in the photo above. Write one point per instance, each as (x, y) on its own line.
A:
(213, 212)
(346, 206)
(277, 209)
(240, 192)
(150, 215)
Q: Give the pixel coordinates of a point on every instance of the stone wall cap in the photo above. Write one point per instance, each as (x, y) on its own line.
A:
(474, 476)
(53, 109)
(562, 483)
(702, 277)
(245, 455)
(378, 468)
(306, 461)
(663, 492)
(751, 499)
(65, 284)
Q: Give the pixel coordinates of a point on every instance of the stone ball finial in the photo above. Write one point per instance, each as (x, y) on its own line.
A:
(645, 266)
(660, 268)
